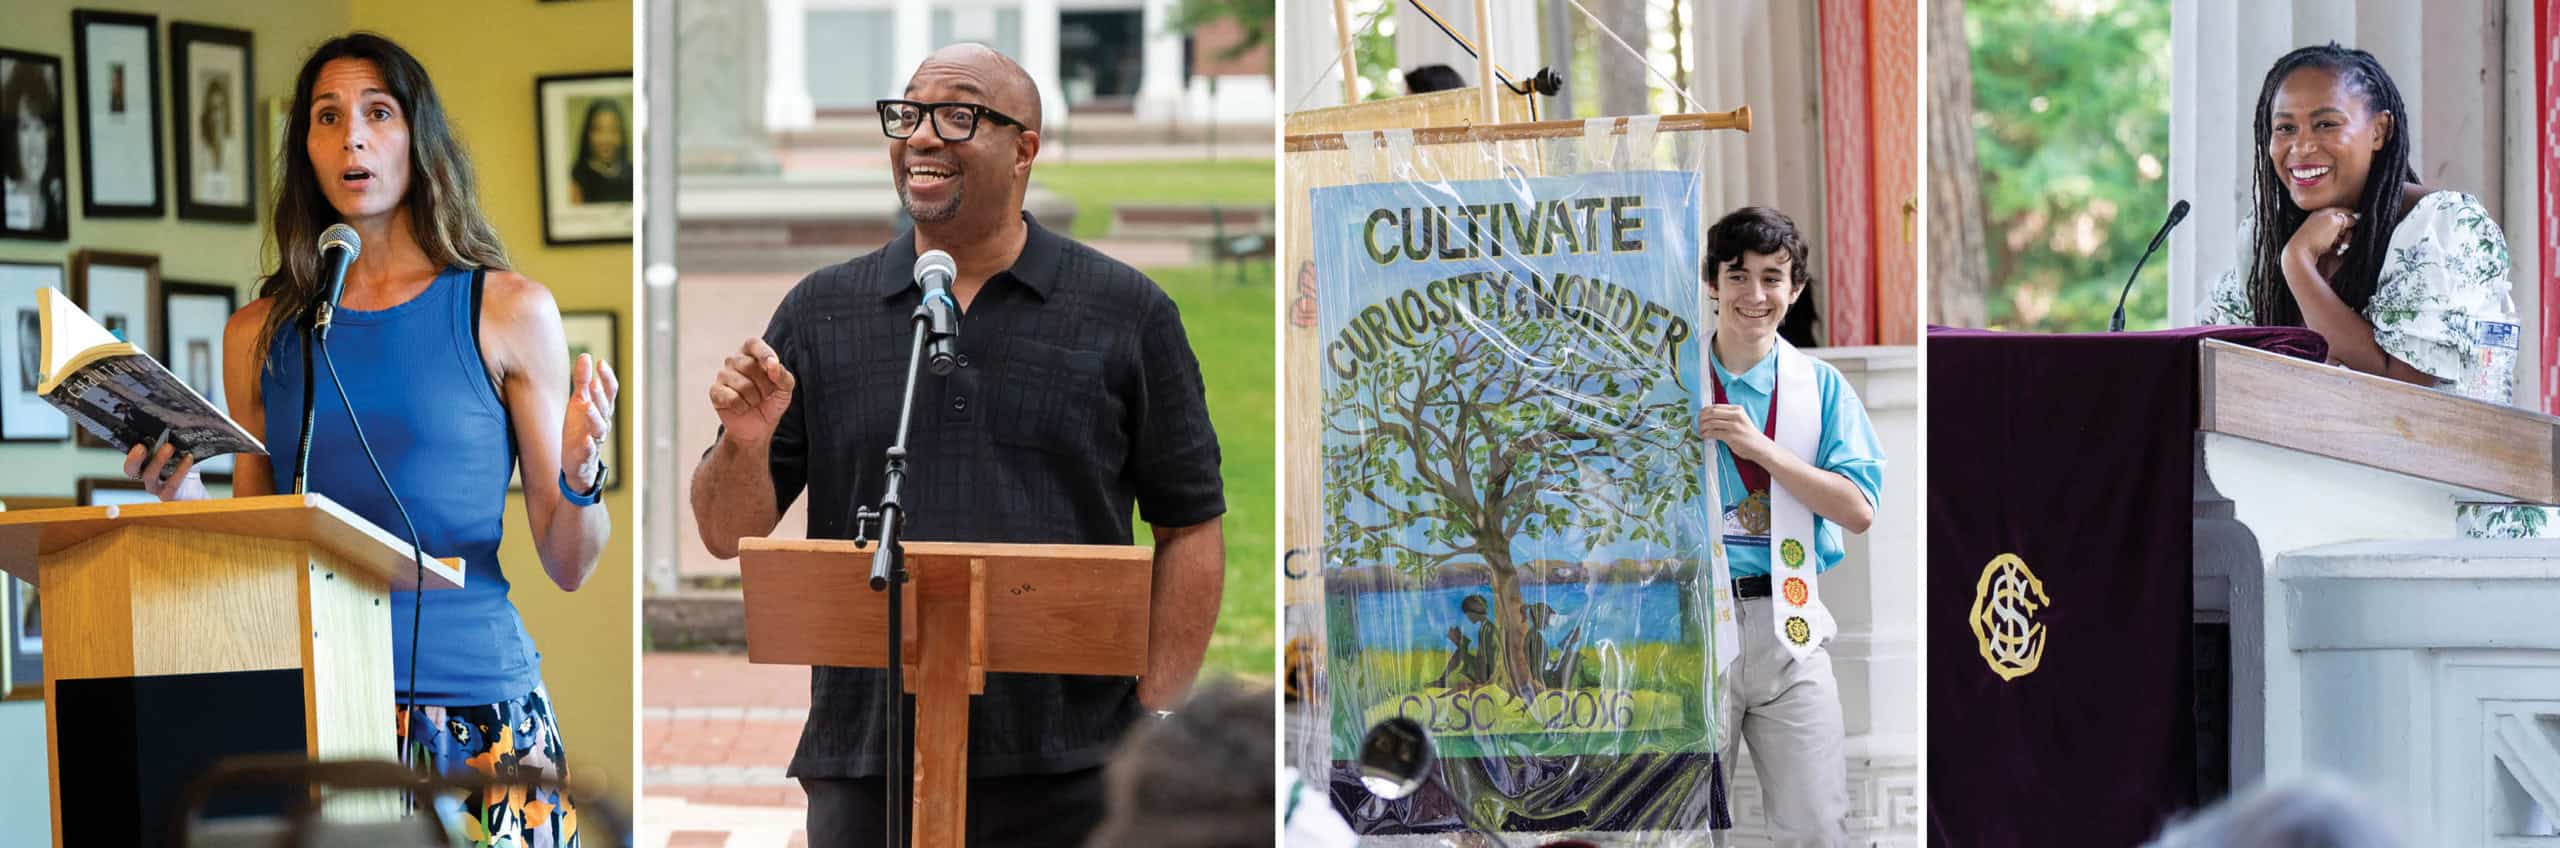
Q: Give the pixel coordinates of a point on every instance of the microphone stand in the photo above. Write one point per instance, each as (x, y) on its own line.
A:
(310, 388)
(889, 572)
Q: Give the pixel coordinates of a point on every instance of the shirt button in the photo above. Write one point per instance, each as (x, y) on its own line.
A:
(964, 360)
(960, 403)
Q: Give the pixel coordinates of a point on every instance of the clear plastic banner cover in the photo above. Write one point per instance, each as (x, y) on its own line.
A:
(1512, 508)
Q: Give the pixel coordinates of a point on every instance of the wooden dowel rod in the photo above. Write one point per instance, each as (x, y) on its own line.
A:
(1738, 119)
(1350, 58)
(1485, 75)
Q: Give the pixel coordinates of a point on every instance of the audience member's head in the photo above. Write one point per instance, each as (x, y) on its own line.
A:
(1430, 78)
(1200, 779)
(2310, 813)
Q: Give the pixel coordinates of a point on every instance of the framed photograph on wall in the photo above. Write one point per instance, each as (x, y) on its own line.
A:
(599, 332)
(214, 110)
(35, 199)
(22, 673)
(122, 291)
(584, 124)
(118, 58)
(23, 614)
(192, 316)
(24, 415)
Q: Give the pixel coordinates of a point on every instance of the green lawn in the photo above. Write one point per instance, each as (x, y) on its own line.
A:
(1231, 330)
(1230, 327)
(1095, 187)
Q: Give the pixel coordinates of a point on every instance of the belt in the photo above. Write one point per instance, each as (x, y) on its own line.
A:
(1754, 586)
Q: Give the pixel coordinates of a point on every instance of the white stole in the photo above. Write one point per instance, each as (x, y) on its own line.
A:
(1797, 615)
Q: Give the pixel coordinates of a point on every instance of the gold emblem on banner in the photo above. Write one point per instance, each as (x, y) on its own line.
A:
(1754, 513)
(2005, 602)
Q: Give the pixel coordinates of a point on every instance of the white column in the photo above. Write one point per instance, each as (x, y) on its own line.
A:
(787, 105)
(1309, 77)
(1515, 37)
(2521, 213)
(1716, 81)
(1160, 79)
(1040, 58)
(1768, 57)
(914, 23)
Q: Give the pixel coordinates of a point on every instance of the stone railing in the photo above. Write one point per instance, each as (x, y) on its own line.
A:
(2430, 679)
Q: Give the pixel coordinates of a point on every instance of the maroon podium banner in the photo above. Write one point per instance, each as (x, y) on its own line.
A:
(2061, 490)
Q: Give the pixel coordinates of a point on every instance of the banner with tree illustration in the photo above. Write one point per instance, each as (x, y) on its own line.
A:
(1515, 507)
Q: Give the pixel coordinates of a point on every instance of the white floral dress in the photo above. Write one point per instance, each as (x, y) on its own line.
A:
(2444, 304)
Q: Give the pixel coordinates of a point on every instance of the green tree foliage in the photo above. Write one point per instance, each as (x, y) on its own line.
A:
(2071, 122)
(1253, 15)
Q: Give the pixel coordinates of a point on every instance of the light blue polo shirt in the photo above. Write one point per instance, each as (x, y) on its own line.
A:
(1849, 447)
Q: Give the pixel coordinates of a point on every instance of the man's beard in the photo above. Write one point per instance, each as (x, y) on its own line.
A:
(933, 214)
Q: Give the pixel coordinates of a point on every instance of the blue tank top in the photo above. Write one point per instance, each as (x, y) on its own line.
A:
(436, 424)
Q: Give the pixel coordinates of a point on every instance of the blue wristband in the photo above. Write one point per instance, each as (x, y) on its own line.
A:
(590, 497)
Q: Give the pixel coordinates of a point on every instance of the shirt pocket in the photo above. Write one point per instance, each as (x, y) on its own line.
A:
(1051, 399)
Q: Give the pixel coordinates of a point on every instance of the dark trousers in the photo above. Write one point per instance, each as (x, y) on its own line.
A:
(1024, 810)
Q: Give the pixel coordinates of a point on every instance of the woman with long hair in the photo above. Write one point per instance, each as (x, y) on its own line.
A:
(31, 152)
(603, 171)
(458, 376)
(2403, 280)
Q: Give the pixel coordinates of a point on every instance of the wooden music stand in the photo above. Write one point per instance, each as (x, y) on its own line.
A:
(181, 633)
(972, 609)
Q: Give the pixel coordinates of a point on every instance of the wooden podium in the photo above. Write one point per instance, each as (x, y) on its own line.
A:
(182, 633)
(2295, 456)
(969, 609)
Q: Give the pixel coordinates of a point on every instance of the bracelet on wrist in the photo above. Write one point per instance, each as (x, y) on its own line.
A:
(589, 497)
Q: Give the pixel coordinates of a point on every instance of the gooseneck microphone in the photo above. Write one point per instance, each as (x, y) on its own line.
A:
(934, 273)
(339, 248)
(2176, 213)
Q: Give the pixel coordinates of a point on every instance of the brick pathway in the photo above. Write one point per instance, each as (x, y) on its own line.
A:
(716, 734)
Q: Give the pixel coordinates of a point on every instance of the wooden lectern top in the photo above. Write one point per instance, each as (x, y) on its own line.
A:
(2379, 423)
(1052, 609)
(26, 537)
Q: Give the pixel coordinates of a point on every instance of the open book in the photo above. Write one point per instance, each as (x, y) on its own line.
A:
(122, 395)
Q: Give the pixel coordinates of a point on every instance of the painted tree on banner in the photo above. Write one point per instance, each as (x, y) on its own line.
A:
(1464, 449)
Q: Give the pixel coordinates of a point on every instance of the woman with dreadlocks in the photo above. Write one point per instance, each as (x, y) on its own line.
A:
(2404, 280)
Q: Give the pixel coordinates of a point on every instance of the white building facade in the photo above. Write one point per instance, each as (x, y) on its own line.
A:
(834, 57)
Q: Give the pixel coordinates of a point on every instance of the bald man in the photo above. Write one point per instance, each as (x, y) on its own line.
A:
(1076, 397)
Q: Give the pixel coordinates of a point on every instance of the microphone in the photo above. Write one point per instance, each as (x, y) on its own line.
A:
(2176, 213)
(941, 314)
(339, 248)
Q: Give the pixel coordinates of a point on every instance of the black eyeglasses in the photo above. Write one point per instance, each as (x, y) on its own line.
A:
(953, 122)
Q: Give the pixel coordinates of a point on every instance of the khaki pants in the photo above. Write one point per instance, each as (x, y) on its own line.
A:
(1789, 712)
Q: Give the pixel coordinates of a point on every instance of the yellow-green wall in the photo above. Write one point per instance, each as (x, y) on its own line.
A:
(484, 56)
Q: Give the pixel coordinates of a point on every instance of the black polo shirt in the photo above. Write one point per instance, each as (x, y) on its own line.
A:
(1076, 396)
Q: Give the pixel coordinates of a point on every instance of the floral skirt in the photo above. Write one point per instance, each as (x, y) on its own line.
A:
(501, 740)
